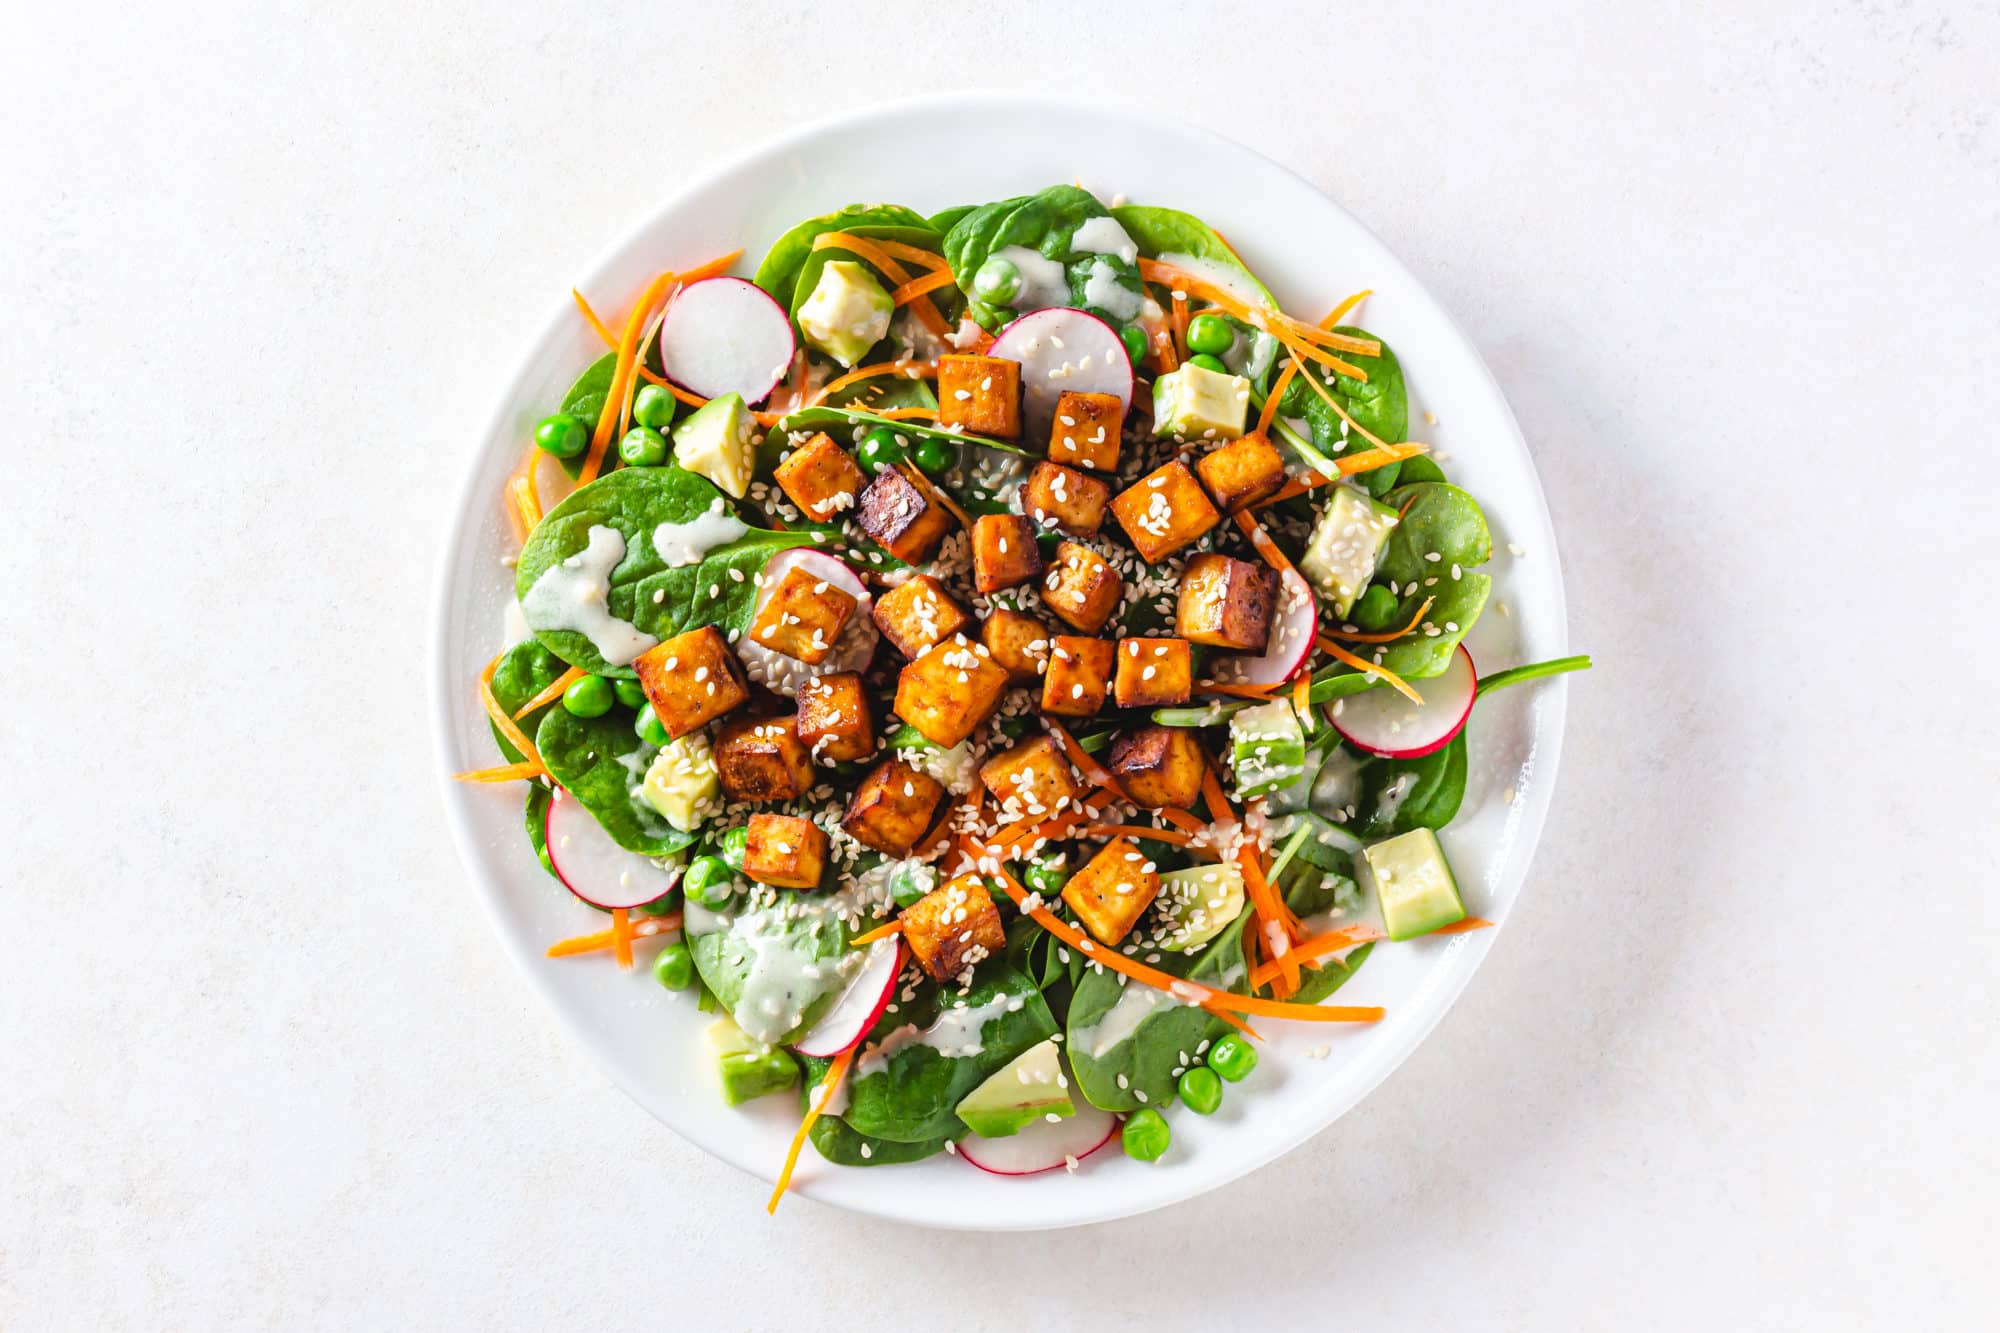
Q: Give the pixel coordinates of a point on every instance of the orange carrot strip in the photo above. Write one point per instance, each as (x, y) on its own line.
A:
(916, 287)
(1302, 686)
(910, 369)
(880, 258)
(1382, 673)
(527, 501)
(881, 932)
(621, 376)
(1387, 636)
(1172, 837)
(1234, 690)
(1365, 461)
(551, 692)
(590, 318)
(621, 937)
(1312, 952)
(1163, 350)
(1306, 341)
(503, 773)
(507, 726)
(1270, 412)
(835, 1076)
(1180, 324)
(600, 940)
(1261, 539)
(909, 413)
(1346, 308)
(1461, 927)
(914, 254)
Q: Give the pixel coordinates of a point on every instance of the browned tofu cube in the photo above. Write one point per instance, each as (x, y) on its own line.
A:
(918, 613)
(1159, 767)
(1086, 430)
(803, 617)
(1242, 472)
(1061, 497)
(901, 519)
(893, 807)
(1004, 553)
(1226, 603)
(1111, 892)
(784, 851)
(1078, 680)
(821, 478)
(1019, 643)
(950, 691)
(1163, 511)
(834, 719)
(1153, 673)
(762, 759)
(691, 679)
(1082, 587)
(981, 394)
(953, 927)
(1031, 780)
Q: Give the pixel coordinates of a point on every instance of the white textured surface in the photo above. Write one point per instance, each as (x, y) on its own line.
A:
(261, 1066)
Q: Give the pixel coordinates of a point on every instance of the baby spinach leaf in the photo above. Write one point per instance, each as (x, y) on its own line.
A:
(1439, 518)
(1167, 231)
(1311, 892)
(1380, 404)
(525, 670)
(1398, 795)
(600, 762)
(585, 401)
(807, 277)
(1045, 223)
(944, 220)
(1421, 468)
(762, 960)
(779, 272)
(841, 1143)
(1147, 1057)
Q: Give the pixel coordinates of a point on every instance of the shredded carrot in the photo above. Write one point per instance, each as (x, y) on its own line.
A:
(621, 376)
(1306, 341)
(881, 932)
(914, 254)
(1302, 687)
(1313, 952)
(590, 318)
(1270, 412)
(1380, 672)
(527, 502)
(1163, 350)
(507, 726)
(1353, 464)
(1461, 927)
(915, 370)
(1235, 690)
(1172, 837)
(836, 1075)
(1180, 323)
(880, 257)
(1261, 539)
(908, 414)
(916, 287)
(503, 773)
(598, 941)
(549, 693)
(1346, 308)
(1387, 636)
(621, 937)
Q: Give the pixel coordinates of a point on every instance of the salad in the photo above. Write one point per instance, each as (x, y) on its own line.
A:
(993, 662)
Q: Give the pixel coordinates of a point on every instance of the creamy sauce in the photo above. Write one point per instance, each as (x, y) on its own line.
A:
(686, 543)
(1222, 275)
(1103, 289)
(574, 595)
(1120, 1021)
(784, 976)
(955, 1034)
(1043, 283)
(1103, 236)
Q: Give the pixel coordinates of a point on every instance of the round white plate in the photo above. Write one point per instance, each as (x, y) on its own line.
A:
(971, 149)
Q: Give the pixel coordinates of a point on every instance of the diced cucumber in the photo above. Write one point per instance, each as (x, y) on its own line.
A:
(1269, 748)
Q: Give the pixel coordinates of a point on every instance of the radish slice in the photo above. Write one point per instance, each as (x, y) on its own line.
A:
(1294, 627)
(855, 1012)
(1043, 1145)
(725, 335)
(595, 868)
(1381, 721)
(852, 651)
(1063, 351)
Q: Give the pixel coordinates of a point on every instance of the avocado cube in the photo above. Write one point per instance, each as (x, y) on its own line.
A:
(762, 759)
(847, 313)
(893, 807)
(1163, 511)
(1019, 643)
(1346, 545)
(821, 478)
(1004, 553)
(716, 442)
(917, 613)
(1030, 780)
(1268, 748)
(681, 782)
(903, 520)
(953, 927)
(1111, 892)
(748, 1068)
(1061, 497)
(785, 851)
(1086, 430)
(803, 617)
(1194, 403)
(1196, 904)
(835, 723)
(1226, 603)
(981, 394)
(691, 679)
(1079, 676)
(1154, 673)
(1242, 472)
(1028, 1088)
(1414, 884)
(1082, 587)
(1159, 767)
(950, 691)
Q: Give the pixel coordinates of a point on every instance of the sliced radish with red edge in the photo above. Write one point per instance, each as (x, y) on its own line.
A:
(725, 335)
(1382, 722)
(852, 651)
(843, 1026)
(1043, 1145)
(1063, 351)
(595, 868)
(1294, 629)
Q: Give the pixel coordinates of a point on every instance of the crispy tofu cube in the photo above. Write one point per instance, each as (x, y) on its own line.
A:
(784, 851)
(1153, 673)
(950, 691)
(1019, 643)
(918, 613)
(691, 679)
(1159, 767)
(953, 927)
(762, 759)
(1163, 511)
(835, 723)
(803, 617)
(893, 807)
(1031, 780)
(1086, 430)
(1242, 472)
(981, 394)
(1113, 890)
(1004, 553)
(1079, 676)
(903, 520)
(1082, 587)
(1062, 497)
(821, 478)
(1226, 603)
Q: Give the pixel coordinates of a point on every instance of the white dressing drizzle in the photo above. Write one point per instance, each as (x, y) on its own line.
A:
(574, 595)
(686, 543)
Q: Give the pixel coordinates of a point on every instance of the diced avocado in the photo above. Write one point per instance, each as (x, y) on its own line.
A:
(1196, 903)
(681, 782)
(847, 313)
(1030, 1088)
(1269, 748)
(749, 1067)
(1414, 884)
(1195, 403)
(1346, 543)
(715, 442)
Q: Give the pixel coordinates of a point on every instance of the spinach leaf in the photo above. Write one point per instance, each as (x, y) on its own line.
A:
(1147, 1055)
(600, 761)
(585, 401)
(525, 670)
(763, 960)
(841, 1143)
(808, 274)
(1380, 404)
(1398, 795)
(1421, 468)
(1167, 231)
(1440, 518)
(536, 818)
(944, 220)
(779, 272)
(1046, 223)
(1313, 889)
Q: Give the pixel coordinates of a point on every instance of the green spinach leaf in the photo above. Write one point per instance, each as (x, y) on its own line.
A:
(1046, 223)
(1166, 231)
(600, 762)
(764, 960)
(585, 401)
(1398, 795)
(841, 1143)
(779, 272)
(1380, 404)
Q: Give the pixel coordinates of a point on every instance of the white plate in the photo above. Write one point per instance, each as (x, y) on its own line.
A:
(1311, 254)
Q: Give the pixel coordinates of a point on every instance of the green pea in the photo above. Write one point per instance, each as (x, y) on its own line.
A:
(643, 447)
(630, 692)
(1233, 1058)
(997, 282)
(709, 880)
(590, 697)
(654, 407)
(650, 728)
(879, 449)
(734, 844)
(1210, 334)
(562, 435)
(931, 456)
(1376, 610)
(1207, 362)
(1146, 1135)
(1200, 1090)
(666, 903)
(1134, 339)
(674, 968)
(1047, 877)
